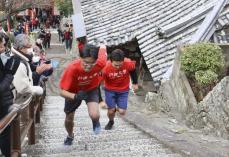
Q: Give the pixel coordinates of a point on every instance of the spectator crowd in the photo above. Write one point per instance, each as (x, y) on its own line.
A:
(23, 67)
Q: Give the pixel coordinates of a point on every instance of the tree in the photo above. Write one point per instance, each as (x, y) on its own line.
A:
(11, 7)
(65, 7)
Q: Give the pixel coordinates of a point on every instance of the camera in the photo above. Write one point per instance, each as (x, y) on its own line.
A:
(48, 62)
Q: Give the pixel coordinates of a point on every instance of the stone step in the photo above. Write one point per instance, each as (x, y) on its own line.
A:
(80, 116)
(83, 120)
(111, 146)
(103, 144)
(79, 120)
(123, 153)
(82, 124)
(60, 110)
(81, 113)
(124, 140)
(52, 133)
(98, 138)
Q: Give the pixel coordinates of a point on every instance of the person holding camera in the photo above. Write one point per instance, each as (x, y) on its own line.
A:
(39, 66)
(8, 67)
(80, 81)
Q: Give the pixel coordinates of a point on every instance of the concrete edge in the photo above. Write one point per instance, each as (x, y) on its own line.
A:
(178, 143)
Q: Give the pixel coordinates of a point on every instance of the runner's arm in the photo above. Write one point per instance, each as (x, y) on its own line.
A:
(67, 95)
(102, 56)
(134, 76)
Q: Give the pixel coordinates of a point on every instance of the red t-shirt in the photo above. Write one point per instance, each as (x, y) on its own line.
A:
(118, 79)
(75, 78)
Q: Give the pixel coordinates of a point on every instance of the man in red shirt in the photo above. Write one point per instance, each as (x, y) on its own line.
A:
(116, 75)
(81, 42)
(80, 81)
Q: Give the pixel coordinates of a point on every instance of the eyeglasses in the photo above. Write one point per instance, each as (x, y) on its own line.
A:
(85, 63)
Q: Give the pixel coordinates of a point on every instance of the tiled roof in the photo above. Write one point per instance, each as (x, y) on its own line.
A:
(119, 21)
(223, 20)
(222, 25)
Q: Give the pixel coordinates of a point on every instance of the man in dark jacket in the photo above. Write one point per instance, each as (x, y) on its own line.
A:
(8, 67)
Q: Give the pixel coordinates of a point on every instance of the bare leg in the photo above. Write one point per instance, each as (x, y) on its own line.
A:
(93, 110)
(111, 114)
(69, 123)
(122, 112)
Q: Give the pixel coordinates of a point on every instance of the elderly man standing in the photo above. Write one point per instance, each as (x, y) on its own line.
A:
(23, 79)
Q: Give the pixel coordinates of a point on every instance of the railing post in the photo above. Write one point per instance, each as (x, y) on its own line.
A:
(16, 135)
(31, 133)
(43, 96)
(39, 103)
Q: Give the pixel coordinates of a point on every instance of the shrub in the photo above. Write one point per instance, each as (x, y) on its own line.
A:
(206, 77)
(202, 62)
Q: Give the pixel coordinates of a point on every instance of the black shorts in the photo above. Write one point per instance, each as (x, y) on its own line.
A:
(71, 106)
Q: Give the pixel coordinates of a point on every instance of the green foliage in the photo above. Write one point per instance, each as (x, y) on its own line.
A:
(65, 7)
(206, 77)
(203, 62)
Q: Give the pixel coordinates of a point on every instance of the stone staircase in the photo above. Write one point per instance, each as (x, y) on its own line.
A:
(124, 140)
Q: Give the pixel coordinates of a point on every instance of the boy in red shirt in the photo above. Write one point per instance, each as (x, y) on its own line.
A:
(80, 81)
(116, 75)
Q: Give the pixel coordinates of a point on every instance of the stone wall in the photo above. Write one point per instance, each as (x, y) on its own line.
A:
(180, 87)
(175, 93)
(225, 48)
(212, 114)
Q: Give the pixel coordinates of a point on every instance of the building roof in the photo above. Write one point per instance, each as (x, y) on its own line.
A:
(158, 25)
(223, 20)
(222, 27)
